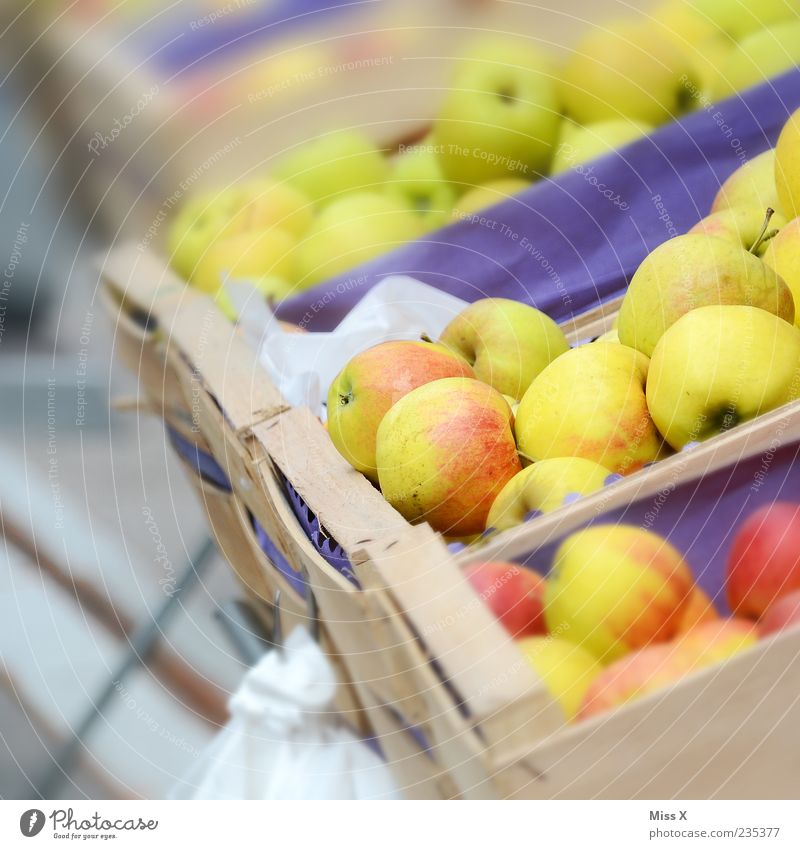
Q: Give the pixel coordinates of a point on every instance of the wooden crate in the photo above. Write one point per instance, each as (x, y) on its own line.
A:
(425, 666)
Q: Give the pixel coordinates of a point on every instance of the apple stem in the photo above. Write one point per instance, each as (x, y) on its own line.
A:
(764, 236)
(425, 338)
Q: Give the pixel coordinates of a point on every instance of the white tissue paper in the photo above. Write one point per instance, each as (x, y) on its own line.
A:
(303, 365)
(284, 739)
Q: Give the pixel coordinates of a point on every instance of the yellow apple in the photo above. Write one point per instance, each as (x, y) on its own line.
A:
(374, 380)
(718, 366)
(783, 254)
(787, 167)
(444, 452)
(488, 194)
(579, 144)
(609, 336)
(738, 18)
(750, 185)
(566, 670)
(742, 225)
(590, 402)
(506, 342)
(626, 69)
(692, 271)
(544, 487)
(616, 588)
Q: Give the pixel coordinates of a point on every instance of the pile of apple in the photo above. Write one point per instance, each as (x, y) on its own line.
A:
(512, 114)
(705, 340)
(619, 615)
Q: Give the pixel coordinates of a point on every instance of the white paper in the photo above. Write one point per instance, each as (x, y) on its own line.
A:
(303, 365)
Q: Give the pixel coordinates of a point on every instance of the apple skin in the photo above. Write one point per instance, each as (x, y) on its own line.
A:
(417, 180)
(616, 588)
(693, 271)
(740, 19)
(741, 225)
(333, 165)
(543, 487)
(750, 185)
(626, 69)
(698, 610)
(352, 230)
(758, 57)
(514, 595)
(579, 144)
(787, 166)
(782, 615)
(506, 342)
(443, 453)
(566, 670)
(718, 366)
(496, 121)
(764, 561)
(590, 402)
(486, 195)
(655, 667)
(371, 382)
(783, 255)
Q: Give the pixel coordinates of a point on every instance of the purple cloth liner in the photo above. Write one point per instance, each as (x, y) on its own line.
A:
(700, 518)
(567, 244)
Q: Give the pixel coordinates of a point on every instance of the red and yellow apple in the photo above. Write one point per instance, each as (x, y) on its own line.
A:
(698, 610)
(513, 593)
(750, 185)
(783, 614)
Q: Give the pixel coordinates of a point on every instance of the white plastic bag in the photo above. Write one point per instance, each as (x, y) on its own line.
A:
(284, 739)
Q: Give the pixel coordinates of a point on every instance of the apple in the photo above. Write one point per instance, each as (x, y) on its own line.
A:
(250, 256)
(566, 670)
(652, 668)
(334, 164)
(698, 610)
(417, 180)
(352, 230)
(265, 203)
(626, 69)
(764, 560)
(496, 121)
(682, 24)
(513, 593)
(488, 194)
(506, 342)
(544, 486)
(745, 226)
(611, 335)
(371, 382)
(738, 19)
(616, 588)
(692, 271)
(443, 453)
(506, 51)
(750, 185)
(758, 57)
(787, 167)
(579, 144)
(718, 366)
(590, 402)
(781, 615)
(783, 254)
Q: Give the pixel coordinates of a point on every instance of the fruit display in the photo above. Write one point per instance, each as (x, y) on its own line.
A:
(511, 114)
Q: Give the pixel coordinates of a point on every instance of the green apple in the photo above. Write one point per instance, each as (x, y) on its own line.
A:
(590, 403)
(496, 121)
(692, 271)
(265, 203)
(444, 451)
(758, 57)
(508, 52)
(487, 194)
(417, 180)
(579, 144)
(251, 255)
(738, 19)
(783, 254)
(718, 366)
(751, 185)
(627, 69)
(352, 230)
(544, 486)
(746, 226)
(334, 164)
(683, 24)
(506, 342)
(787, 167)
(371, 382)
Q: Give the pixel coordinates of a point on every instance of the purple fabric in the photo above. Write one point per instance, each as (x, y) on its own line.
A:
(562, 245)
(700, 518)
